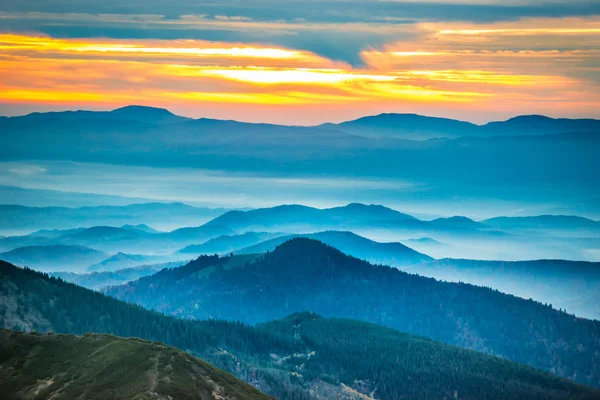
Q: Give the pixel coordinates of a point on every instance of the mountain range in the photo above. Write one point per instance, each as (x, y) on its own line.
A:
(572, 286)
(501, 238)
(100, 280)
(297, 217)
(10, 195)
(549, 154)
(419, 127)
(54, 256)
(568, 285)
(118, 239)
(298, 357)
(229, 243)
(304, 274)
(351, 244)
(22, 218)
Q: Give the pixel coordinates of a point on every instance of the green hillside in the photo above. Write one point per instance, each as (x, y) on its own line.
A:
(389, 364)
(306, 275)
(300, 357)
(103, 367)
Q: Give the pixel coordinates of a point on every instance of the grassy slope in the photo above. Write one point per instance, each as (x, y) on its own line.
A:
(108, 367)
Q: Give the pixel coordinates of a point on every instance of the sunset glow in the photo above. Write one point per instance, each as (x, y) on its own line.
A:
(439, 65)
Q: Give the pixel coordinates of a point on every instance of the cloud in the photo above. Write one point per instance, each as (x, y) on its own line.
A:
(27, 170)
(318, 11)
(329, 59)
(336, 29)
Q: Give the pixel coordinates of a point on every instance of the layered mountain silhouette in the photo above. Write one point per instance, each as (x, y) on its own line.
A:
(100, 280)
(351, 244)
(569, 285)
(406, 126)
(36, 218)
(54, 257)
(541, 149)
(122, 260)
(290, 358)
(548, 223)
(419, 127)
(298, 217)
(508, 238)
(304, 274)
(229, 243)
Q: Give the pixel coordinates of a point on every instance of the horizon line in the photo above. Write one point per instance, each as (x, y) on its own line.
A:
(108, 110)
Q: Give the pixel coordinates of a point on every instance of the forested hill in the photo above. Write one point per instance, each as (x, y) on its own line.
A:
(109, 367)
(304, 274)
(428, 368)
(297, 358)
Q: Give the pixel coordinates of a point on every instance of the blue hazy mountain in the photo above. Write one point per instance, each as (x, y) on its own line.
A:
(114, 239)
(541, 125)
(121, 261)
(419, 127)
(549, 159)
(406, 126)
(167, 215)
(425, 241)
(13, 242)
(374, 221)
(54, 198)
(140, 227)
(457, 222)
(102, 279)
(228, 243)
(287, 217)
(567, 224)
(54, 257)
(354, 245)
(462, 236)
(53, 233)
(304, 274)
(125, 114)
(573, 286)
(143, 113)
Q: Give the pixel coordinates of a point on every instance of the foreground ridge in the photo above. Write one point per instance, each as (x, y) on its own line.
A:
(99, 366)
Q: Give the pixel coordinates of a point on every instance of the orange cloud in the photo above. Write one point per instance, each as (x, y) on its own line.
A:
(433, 72)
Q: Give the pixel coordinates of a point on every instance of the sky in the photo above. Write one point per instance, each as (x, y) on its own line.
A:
(303, 62)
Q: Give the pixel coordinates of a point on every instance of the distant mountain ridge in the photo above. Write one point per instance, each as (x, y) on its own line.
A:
(228, 243)
(543, 222)
(121, 260)
(573, 286)
(99, 280)
(54, 257)
(153, 214)
(515, 238)
(550, 158)
(407, 126)
(299, 216)
(354, 245)
(390, 122)
(419, 127)
(55, 198)
(127, 113)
